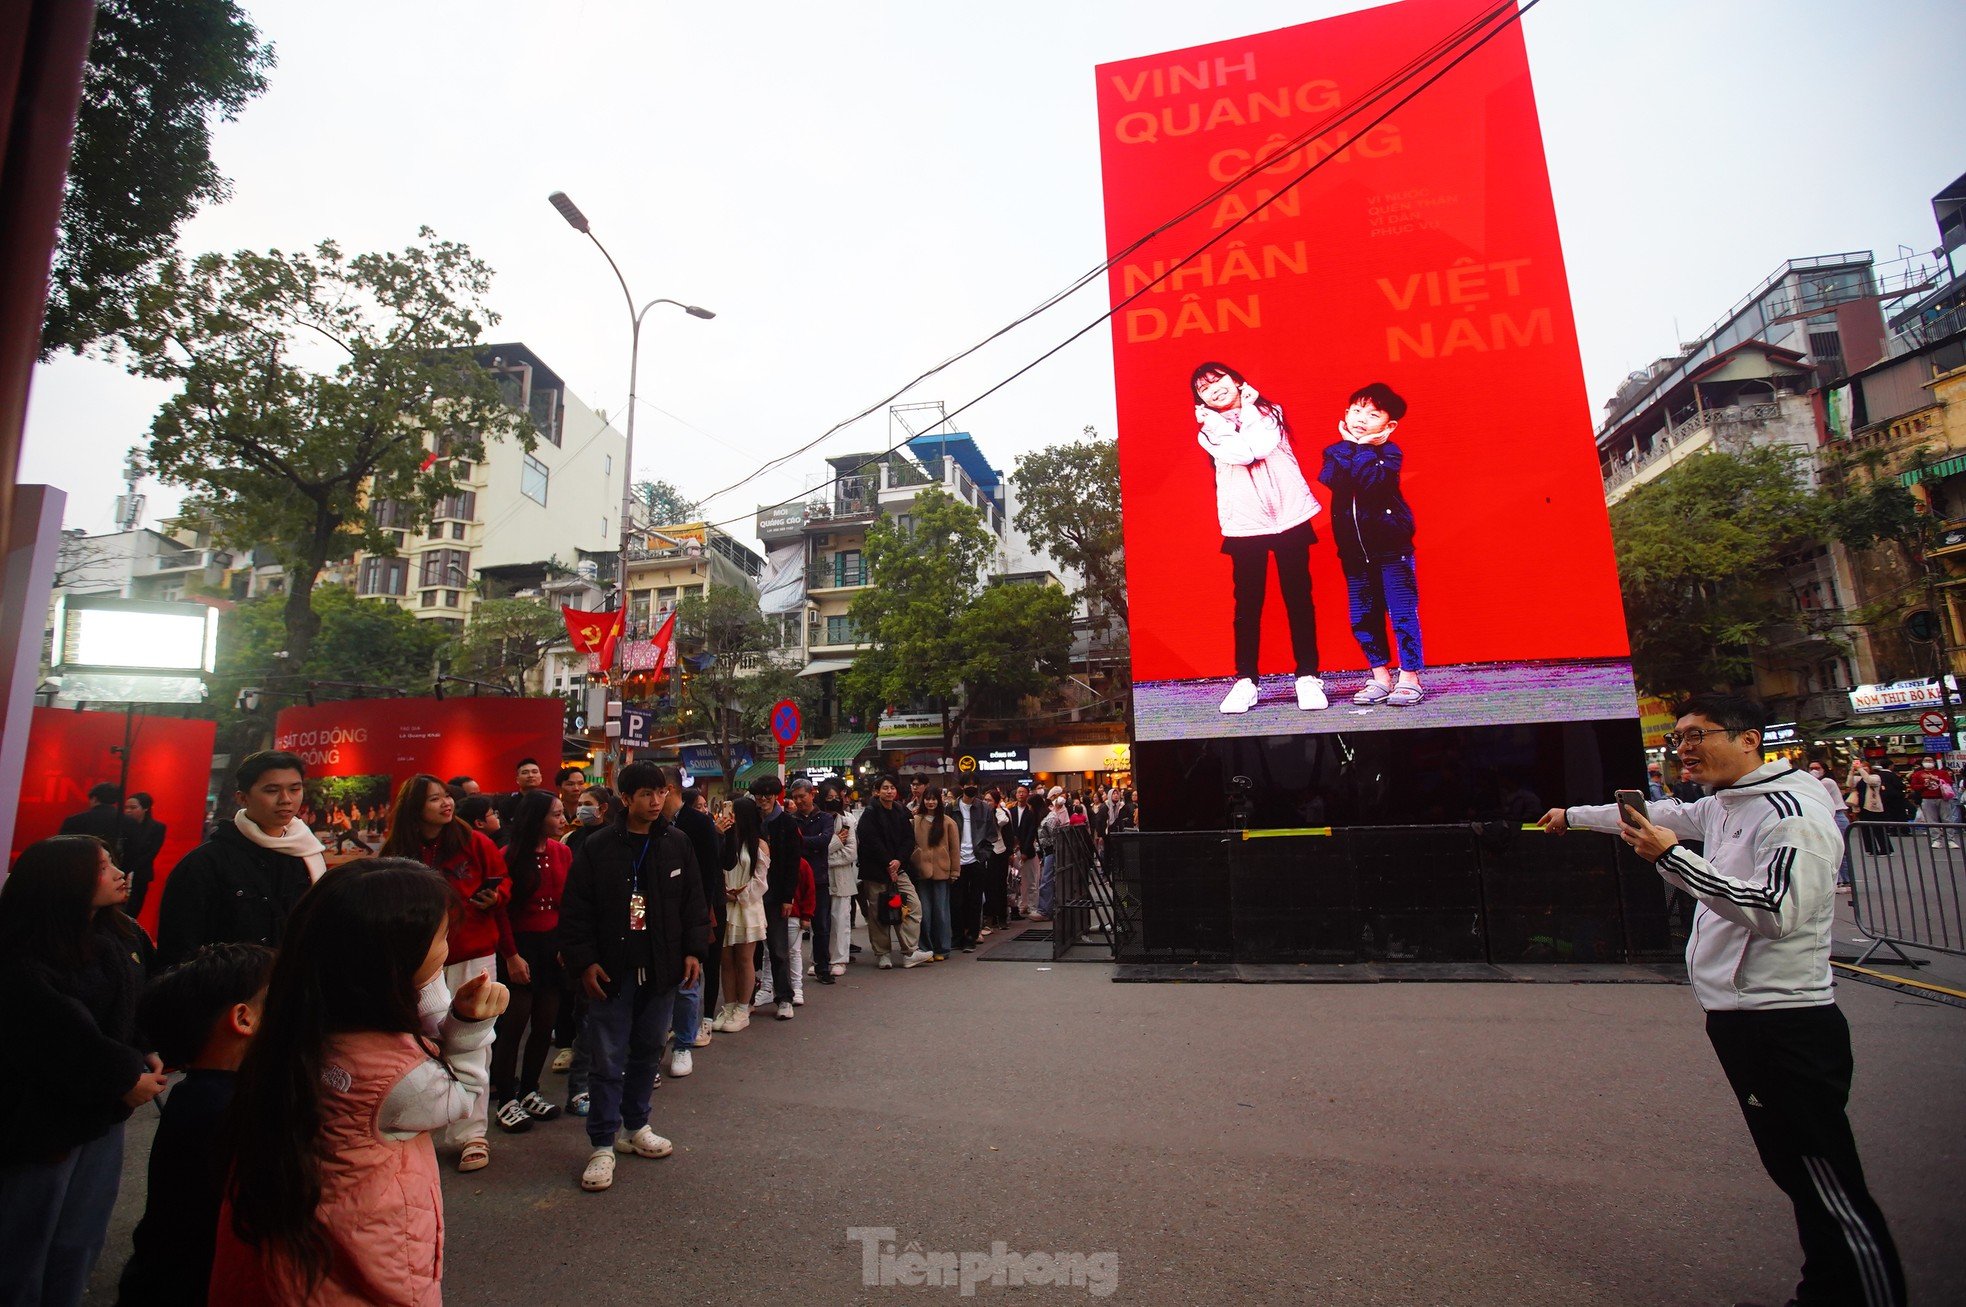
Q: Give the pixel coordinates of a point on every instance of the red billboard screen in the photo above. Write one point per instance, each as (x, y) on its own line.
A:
(1354, 440)
(483, 738)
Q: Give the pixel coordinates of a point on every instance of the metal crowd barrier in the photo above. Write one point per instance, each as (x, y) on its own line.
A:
(1082, 901)
(1906, 886)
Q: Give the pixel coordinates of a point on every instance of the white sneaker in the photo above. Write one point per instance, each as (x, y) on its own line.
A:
(918, 957)
(764, 998)
(740, 1019)
(599, 1174)
(722, 1020)
(681, 1063)
(644, 1143)
(839, 968)
(1310, 694)
(884, 963)
(703, 1035)
(798, 998)
(784, 1011)
(1241, 697)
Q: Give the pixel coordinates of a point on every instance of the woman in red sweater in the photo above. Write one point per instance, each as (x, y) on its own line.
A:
(423, 827)
(538, 862)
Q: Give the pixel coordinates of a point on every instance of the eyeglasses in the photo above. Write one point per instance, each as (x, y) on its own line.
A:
(1693, 735)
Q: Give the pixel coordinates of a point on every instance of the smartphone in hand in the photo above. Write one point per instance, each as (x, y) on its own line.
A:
(1632, 801)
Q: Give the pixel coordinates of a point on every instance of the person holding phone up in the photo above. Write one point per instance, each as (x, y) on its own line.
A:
(1758, 958)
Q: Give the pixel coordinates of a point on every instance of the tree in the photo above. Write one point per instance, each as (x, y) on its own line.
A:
(1068, 503)
(158, 73)
(1700, 553)
(719, 632)
(665, 504)
(934, 626)
(281, 454)
(506, 638)
(368, 646)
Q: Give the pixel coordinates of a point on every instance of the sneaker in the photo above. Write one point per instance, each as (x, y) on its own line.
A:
(599, 1174)
(579, 1105)
(1372, 693)
(940, 957)
(916, 958)
(740, 1019)
(763, 998)
(538, 1107)
(825, 977)
(703, 1035)
(1241, 697)
(987, 932)
(644, 1143)
(562, 1060)
(969, 948)
(885, 963)
(1310, 694)
(855, 948)
(812, 970)
(681, 1063)
(839, 968)
(512, 1118)
(784, 1011)
(798, 998)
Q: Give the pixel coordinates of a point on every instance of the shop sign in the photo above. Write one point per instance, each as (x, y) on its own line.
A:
(1780, 734)
(994, 762)
(896, 728)
(1900, 695)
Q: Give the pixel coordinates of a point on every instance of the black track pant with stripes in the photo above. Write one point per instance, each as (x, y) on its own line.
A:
(1790, 1070)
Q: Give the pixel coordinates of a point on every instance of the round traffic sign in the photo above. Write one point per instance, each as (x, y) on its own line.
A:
(1932, 723)
(785, 722)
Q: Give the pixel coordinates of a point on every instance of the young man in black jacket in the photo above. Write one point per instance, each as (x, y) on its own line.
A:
(239, 885)
(787, 845)
(886, 836)
(689, 1028)
(816, 828)
(633, 928)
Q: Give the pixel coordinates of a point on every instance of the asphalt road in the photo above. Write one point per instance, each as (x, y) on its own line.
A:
(1395, 1144)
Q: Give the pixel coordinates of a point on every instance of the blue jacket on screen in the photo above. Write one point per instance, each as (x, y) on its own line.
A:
(1370, 519)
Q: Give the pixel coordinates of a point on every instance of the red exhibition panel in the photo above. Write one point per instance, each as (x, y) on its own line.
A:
(69, 752)
(1424, 256)
(397, 738)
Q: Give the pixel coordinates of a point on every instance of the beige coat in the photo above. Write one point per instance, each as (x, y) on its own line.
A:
(939, 862)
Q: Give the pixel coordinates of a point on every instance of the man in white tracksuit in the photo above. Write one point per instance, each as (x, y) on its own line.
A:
(1759, 962)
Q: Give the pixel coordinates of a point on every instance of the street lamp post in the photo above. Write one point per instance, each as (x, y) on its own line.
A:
(578, 221)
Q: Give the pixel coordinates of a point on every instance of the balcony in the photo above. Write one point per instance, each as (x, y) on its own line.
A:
(1691, 433)
(190, 560)
(838, 573)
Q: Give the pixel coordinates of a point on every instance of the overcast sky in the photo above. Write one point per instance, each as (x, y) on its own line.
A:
(860, 189)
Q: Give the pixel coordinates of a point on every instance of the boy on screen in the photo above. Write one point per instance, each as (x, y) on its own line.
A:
(1373, 525)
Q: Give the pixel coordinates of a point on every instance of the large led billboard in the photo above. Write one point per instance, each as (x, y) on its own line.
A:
(1355, 448)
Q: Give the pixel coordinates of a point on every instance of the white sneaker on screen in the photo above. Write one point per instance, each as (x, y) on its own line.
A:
(1310, 694)
(1241, 697)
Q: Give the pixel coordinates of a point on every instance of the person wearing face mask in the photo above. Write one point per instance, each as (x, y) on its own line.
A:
(593, 810)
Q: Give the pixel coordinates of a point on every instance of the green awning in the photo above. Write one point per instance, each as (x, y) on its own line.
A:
(1949, 467)
(840, 751)
(756, 771)
(1865, 731)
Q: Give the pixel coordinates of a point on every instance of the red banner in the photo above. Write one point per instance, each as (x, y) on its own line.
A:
(478, 737)
(70, 752)
(1418, 266)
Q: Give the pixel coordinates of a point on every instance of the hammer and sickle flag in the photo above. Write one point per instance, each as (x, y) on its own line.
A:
(594, 633)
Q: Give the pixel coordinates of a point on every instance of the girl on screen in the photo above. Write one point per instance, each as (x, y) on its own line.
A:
(1264, 507)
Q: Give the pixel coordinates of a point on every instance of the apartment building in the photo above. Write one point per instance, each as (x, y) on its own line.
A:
(516, 512)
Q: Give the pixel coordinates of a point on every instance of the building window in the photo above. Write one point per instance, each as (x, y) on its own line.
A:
(841, 630)
(445, 567)
(463, 504)
(429, 599)
(532, 480)
(385, 576)
(436, 531)
(607, 465)
(450, 598)
(457, 530)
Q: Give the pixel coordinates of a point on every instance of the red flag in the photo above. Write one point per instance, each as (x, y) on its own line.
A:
(594, 633)
(429, 461)
(662, 639)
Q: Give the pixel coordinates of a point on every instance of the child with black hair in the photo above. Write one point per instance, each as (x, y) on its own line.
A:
(1374, 529)
(201, 1015)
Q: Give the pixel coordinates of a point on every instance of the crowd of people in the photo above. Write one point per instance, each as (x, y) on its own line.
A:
(323, 1030)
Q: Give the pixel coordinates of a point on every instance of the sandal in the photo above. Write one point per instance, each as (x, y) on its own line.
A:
(1373, 692)
(1404, 696)
(475, 1157)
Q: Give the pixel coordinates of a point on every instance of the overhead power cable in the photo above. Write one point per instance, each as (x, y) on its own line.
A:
(1514, 16)
(1378, 91)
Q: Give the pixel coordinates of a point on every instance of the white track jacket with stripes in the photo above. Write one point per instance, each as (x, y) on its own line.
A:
(1766, 885)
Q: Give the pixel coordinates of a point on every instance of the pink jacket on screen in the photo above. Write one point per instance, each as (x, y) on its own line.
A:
(1259, 488)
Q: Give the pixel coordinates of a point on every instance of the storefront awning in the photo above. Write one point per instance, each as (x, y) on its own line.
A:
(821, 666)
(840, 751)
(1950, 467)
(758, 770)
(1867, 731)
